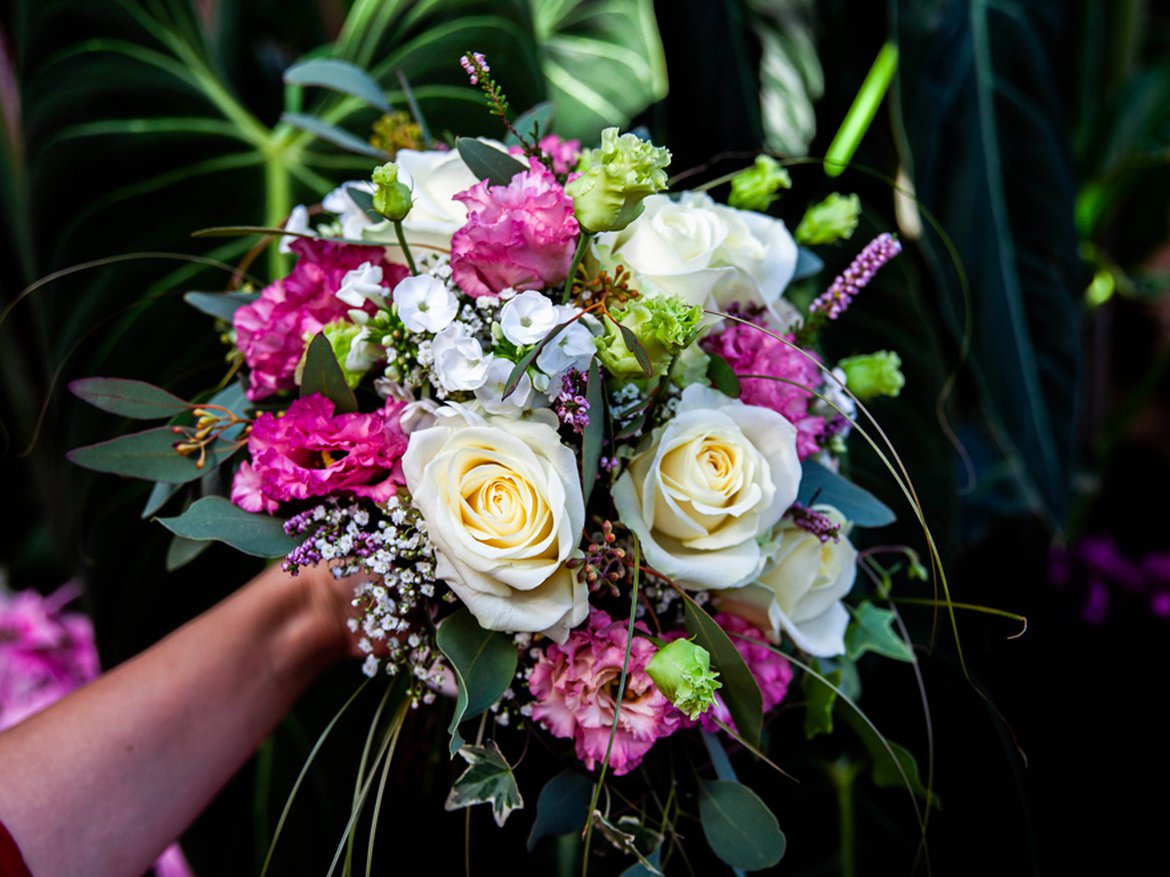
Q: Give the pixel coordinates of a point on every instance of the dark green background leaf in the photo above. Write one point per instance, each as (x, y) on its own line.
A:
(484, 661)
(740, 691)
(135, 399)
(740, 828)
(149, 454)
(219, 519)
(562, 807)
(855, 503)
(338, 76)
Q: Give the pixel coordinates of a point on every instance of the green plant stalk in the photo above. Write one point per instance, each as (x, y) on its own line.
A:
(843, 772)
(860, 115)
(277, 203)
(405, 249)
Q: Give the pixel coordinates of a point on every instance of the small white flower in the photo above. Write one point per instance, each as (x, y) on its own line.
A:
(362, 284)
(573, 347)
(425, 304)
(527, 318)
(363, 353)
(298, 221)
(459, 361)
(491, 394)
(341, 204)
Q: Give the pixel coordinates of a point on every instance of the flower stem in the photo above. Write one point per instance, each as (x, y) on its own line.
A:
(582, 246)
(843, 772)
(405, 248)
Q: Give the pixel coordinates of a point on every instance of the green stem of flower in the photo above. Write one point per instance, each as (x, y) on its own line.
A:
(860, 115)
(405, 248)
(843, 772)
(582, 246)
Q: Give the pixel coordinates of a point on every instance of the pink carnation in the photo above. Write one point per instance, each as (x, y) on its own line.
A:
(750, 351)
(574, 685)
(520, 235)
(308, 451)
(564, 153)
(772, 672)
(44, 652)
(271, 331)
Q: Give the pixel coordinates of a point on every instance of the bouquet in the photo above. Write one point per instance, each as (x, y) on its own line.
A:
(585, 450)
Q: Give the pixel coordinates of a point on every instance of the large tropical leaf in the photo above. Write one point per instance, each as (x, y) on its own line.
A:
(986, 149)
(791, 78)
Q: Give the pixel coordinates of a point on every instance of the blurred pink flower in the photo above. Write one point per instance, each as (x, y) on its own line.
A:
(309, 451)
(521, 235)
(271, 331)
(574, 685)
(564, 153)
(750, 351)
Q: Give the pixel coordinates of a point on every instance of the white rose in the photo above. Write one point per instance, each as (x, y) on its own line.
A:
(802, 587)
(707, 488)
(504, 510)
(424, 303)
(459, 361)
(764, 256)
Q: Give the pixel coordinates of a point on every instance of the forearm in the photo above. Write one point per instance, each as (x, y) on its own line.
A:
(110, 775)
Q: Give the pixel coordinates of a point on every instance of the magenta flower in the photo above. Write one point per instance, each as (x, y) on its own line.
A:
(309, 451)
(44, 652)
(520, 235)
(564, 153)
(772, 672)
(575, 686)
(750, 351)
(271, 331)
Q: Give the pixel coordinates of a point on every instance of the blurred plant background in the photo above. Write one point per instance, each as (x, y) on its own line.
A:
(1029, 142)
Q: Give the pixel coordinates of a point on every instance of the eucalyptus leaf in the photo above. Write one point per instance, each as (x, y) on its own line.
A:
(182, 551)
(323, 375)
(594, 435)
(635, 347)
(722, 376)
(719, 759)
(219, 519)
(808, 264)
(149, 454)
(159, 494)
(819, 699)
(339, 76)
(819, 484)
(740, 691)
(651, 868)
(563, 806)
(538, 117)
(484, 662)
(221, 305)
(487, 780)
(528, 358)
(134, 399)
(740, 828)
(487, 162)
(872, 630)
(333, 134)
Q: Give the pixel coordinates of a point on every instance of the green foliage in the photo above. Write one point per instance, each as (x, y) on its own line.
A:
(149, 454)
(819, 484)
(134, 399)
(322, 374)
(819, 699)
(532, 124)
(893, 765)
(484, 662)
(722, 376)
(740, 691)
(740, 828)
(872, 630)
(219, 519)
(563, 806)
(338, 76)
(221, 305)
(487, 162)
(593, 438)
(487, 780)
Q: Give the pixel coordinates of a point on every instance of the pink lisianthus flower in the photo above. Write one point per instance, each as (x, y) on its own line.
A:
(563, 153)
(772, 672)
(309, 451)
(750, 351)
(44, 652)
(575, 685)
(520, 235)
(271, 331)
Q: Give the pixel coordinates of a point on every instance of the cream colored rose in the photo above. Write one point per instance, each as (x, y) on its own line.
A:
(704, 490)
(705, 253)
(801, 589)
(503, 507)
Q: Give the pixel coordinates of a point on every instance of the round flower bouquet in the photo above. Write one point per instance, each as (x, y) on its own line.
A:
(586, 455)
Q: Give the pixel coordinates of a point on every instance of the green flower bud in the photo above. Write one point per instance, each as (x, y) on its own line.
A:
(663, 325)
(833, 219)
(614, 179)
(391, 198)
(342, 337)
(873, 374)
(756, 187)
(682, 671)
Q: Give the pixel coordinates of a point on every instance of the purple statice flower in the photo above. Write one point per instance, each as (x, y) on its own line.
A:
(812, 521)
(572, 407)
(833, 302)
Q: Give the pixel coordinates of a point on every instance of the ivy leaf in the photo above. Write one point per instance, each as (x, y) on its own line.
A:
(219, 519)
(872, 630)
(339, 76)
(819, 484)
(487, 780)
(487, 162)
(149, 454)
(894, 767)
(562, 807)
(594, 434)
(722, 376)
(740, 828)
(221, 305)
(740, 691)
(135, 399)
(484, 662)
(819, 700)
(323, 375)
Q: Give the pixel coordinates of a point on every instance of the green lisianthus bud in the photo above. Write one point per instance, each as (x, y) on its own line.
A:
(755, 188)
(349, 348)
(833, 219)
(607, 196)
(682, 671)
(391, 198)
(873, 374)
(663, 325)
